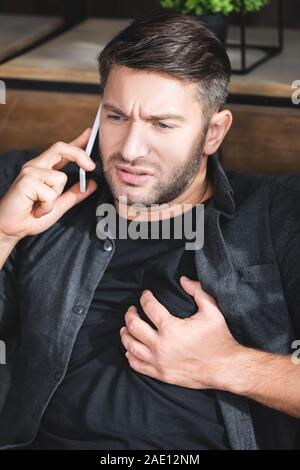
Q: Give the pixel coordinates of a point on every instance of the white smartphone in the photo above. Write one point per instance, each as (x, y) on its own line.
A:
(88, 150)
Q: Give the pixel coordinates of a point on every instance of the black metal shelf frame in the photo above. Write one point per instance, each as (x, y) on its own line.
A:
(270, 51)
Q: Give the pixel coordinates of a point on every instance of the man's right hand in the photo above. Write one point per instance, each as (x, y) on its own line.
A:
(34, 201)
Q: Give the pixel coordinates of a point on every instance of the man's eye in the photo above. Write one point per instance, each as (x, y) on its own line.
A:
(114, 117)
(164, 126)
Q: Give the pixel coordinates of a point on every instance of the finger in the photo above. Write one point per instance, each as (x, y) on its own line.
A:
(194, 289)
(142, 367)
(59, 155)
(74, 196)
(43, 197)
(67, 200)
(54, 179)
(82, 140)
(135, 347)
(140, 329)
(157, 313)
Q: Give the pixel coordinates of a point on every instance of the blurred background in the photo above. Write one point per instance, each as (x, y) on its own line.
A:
(48, 68)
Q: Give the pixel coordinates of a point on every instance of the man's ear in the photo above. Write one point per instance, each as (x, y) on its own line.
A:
(219, 125)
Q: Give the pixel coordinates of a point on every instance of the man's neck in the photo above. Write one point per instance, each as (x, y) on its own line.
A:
(199, 191)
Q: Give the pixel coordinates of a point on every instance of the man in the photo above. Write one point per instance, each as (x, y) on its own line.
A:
(208, 361)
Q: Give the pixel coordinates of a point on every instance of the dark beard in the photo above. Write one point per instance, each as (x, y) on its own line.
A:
(180, 178)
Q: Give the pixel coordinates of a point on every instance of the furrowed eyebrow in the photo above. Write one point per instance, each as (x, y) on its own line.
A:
(152, 117)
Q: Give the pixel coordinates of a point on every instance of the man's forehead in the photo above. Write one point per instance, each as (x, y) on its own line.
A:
(120, 75)
(154, 91)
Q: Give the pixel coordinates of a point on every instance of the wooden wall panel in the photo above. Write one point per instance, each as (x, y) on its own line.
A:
(262, 139)
(265, 139)
(36, 119)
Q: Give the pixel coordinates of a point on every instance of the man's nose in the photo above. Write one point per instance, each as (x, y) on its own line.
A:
(134, 145)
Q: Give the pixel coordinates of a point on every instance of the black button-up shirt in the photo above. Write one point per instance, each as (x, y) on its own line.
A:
(250, 263)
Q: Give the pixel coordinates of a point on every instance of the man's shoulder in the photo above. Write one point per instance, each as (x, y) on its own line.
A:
(268, 205)
(276, 186)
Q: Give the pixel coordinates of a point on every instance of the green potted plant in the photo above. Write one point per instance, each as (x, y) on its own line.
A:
(213, 13)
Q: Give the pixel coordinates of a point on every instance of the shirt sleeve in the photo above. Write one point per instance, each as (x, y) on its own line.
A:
(8, 296)
(10, 166)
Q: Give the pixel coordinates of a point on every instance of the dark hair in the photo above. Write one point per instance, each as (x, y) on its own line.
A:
(177, 45)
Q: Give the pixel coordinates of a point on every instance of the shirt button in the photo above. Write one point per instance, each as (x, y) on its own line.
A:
(107, 246)
(78, 309)
(57, 375)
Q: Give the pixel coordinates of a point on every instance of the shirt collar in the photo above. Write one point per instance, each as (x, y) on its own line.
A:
(223, 195)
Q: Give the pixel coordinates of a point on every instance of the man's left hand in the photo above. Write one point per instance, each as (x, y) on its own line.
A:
(193, 352)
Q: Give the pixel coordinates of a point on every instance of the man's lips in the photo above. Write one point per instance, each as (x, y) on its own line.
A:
(134, 170)
(132, 175)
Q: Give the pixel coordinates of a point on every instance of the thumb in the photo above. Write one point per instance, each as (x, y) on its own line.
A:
(73, 196)
(82, 140)
(194, 289)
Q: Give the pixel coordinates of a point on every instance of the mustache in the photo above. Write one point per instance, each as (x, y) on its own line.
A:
(137, 163)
